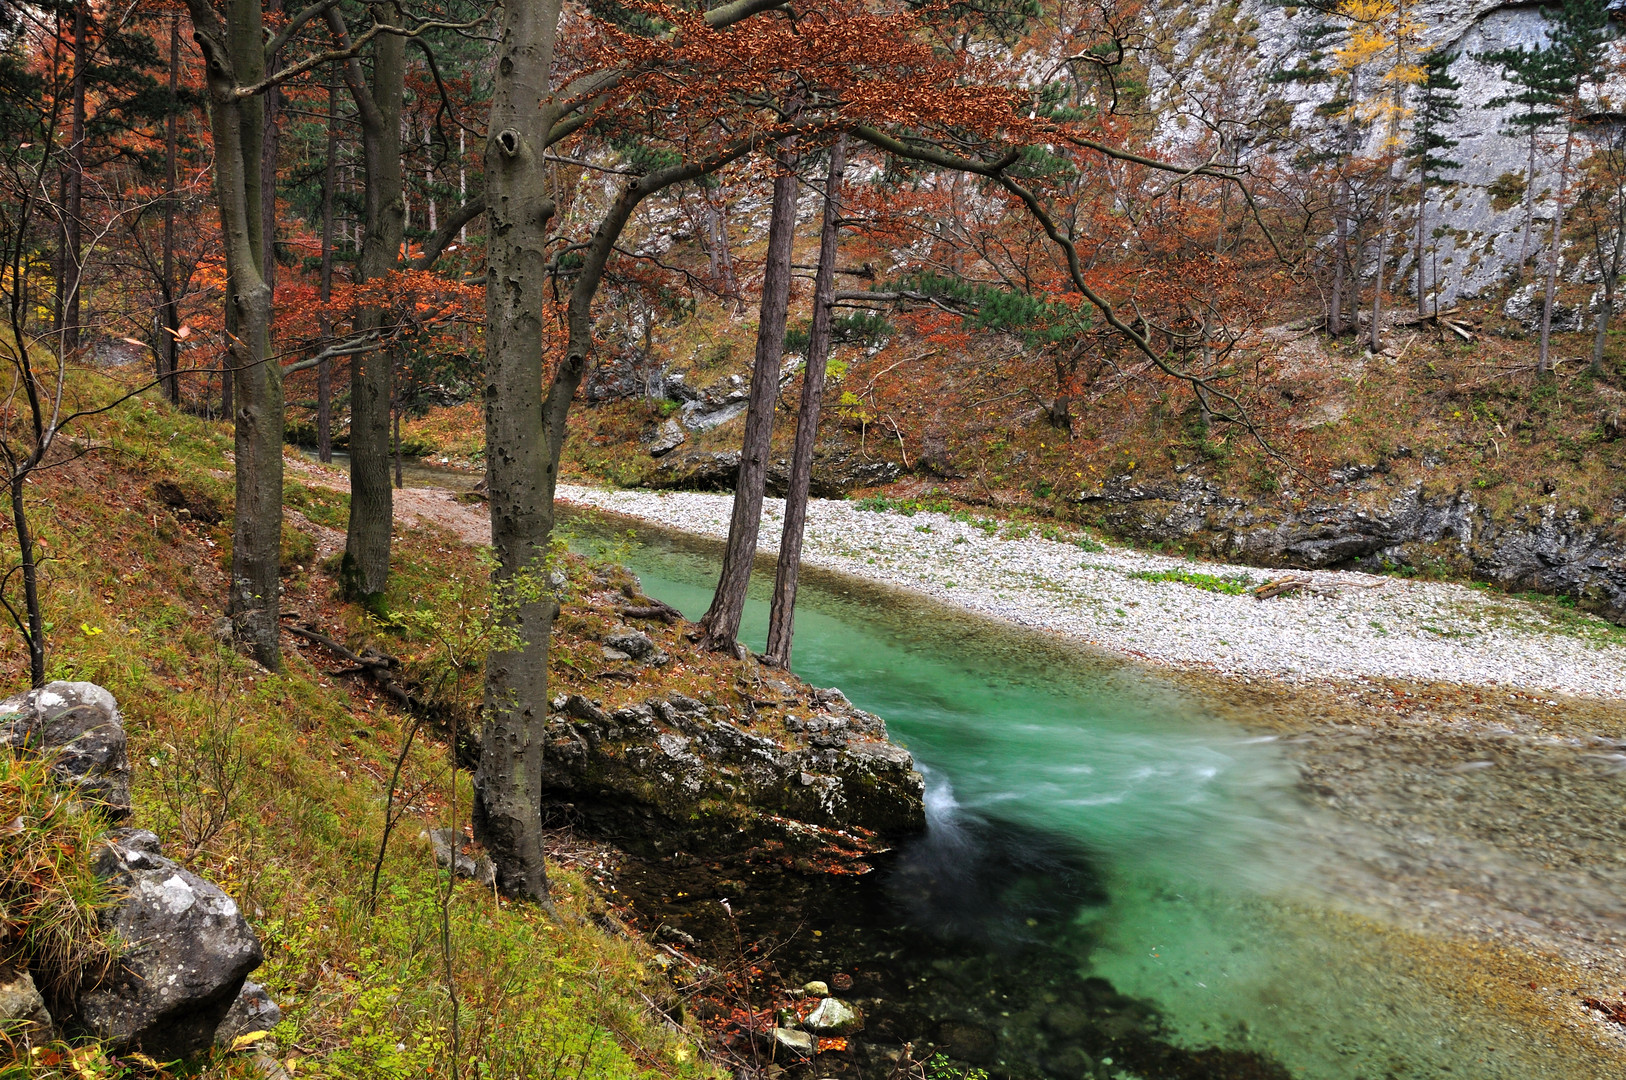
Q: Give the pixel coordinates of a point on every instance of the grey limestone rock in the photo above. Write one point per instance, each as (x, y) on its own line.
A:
(669, 438)
(23, 1016)
(832, 1016)
(251, 1011)
(79, 723)
(187, 951)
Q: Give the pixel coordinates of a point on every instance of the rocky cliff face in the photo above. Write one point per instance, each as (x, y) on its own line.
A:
(1215, 65)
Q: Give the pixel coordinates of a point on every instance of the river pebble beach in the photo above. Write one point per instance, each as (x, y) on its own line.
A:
(1340, 625)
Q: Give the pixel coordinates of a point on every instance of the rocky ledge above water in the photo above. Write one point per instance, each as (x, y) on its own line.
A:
(812, 781)
(1360, 524)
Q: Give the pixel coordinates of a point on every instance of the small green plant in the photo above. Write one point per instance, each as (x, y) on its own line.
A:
(1231, 585)
(1090, 544)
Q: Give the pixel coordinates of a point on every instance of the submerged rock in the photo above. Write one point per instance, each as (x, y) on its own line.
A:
(788, 1040)
(833, 1016)
(187, 951)
(78, 725)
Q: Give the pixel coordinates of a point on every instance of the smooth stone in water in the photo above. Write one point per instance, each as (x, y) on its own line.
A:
(835, 1017)
(796, 1042)
(816, 988)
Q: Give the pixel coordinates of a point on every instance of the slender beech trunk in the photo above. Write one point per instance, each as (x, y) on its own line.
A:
(1600, 337)
(1340, 250)
(1555, 255)
(1378, 273)
(75, 206)
(35, 636)
(169, 317)
(721, 623)
(268, 175)
(232, 40)
(324, 369)
(364, 571)
(782, 612)
(1422, 221)
(395, 419)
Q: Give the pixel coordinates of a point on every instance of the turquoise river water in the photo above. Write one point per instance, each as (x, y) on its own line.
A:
(1214, 894)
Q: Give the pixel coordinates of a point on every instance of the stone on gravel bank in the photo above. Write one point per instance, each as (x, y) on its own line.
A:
(78, 723)
(678, 772)
(187, 951)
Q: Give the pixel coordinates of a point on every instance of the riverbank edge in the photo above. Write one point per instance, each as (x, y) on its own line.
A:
(1179, 614)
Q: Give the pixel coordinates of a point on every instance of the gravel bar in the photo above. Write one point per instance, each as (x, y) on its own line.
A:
(1346, 625)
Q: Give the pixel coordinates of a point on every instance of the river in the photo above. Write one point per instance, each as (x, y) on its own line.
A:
(1110, 864)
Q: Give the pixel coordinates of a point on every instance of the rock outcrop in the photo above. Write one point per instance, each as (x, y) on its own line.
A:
(676, 772)
(1365, 526)
(187, 951)
(177, 985)
(78, 724)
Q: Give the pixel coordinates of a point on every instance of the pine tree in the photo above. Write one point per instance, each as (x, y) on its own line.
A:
(1437, 106)
(1549, 81)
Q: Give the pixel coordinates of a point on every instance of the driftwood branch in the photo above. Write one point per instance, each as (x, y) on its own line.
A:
(376, 666)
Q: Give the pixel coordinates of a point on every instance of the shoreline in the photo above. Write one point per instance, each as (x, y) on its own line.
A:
(1352, 627)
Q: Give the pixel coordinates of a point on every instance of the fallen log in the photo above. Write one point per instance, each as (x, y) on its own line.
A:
(376, 666)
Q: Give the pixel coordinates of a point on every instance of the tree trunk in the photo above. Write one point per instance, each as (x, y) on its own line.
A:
(1529, 210)
(1554, 257)
(234, 54)
(508, 782)
(35, 636)
(364, 571)
(169, 320)
(396, 420)
(1340, 253)
(721, 623)
(1605, 312)
(268, 176)
(1422, 221)
(1378, 272)
(74, 210)
(324, 369)
(782, 612)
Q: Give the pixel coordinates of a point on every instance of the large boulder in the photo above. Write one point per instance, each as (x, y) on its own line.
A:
(186, 953)
(78, 724)
(678, 772)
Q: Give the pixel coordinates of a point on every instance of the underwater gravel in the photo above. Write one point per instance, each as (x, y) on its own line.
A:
(1353, 626)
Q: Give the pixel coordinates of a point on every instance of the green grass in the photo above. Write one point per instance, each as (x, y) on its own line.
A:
(275, 786)
(1232, 585)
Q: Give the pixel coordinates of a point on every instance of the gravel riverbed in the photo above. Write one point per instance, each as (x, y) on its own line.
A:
(1346, 625)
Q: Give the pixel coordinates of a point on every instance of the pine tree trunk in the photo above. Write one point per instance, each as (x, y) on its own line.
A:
(1605, 312)
(1529, 210)
(73, 277)
(1554, 257)
(324, 369)
(1340, 255)
(364, 570)
(721, 623)
(782, 611)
